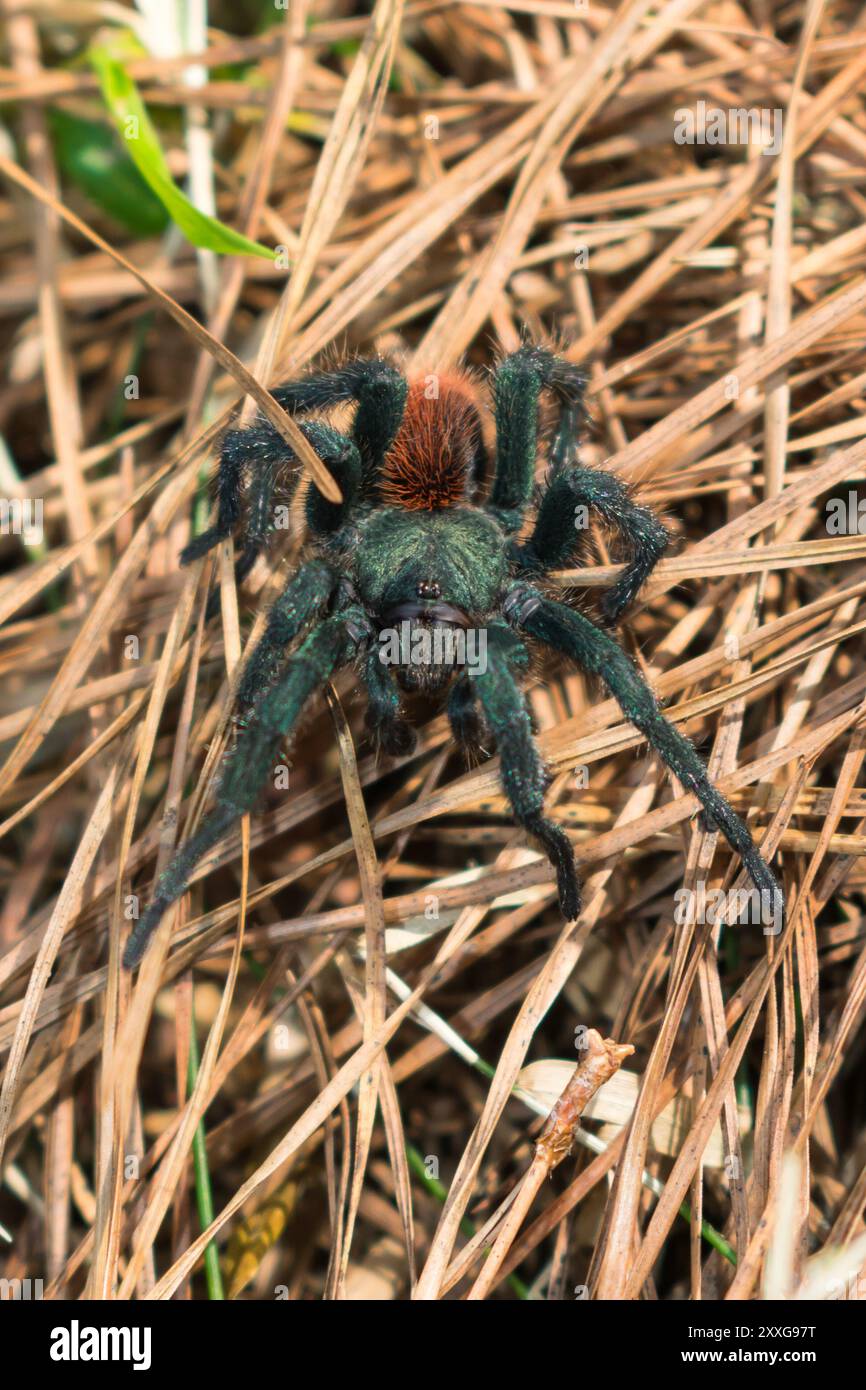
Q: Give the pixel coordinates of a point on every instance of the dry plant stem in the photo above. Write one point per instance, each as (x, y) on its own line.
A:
(602, 1058)
(373, 1011)
(169, 1173)
(67, 904)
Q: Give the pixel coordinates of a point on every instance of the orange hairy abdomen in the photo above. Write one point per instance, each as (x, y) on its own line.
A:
(430, 463)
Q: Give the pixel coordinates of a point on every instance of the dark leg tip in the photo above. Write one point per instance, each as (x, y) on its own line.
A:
(213, 605)
(394, 736)
(468, 729)
(200, 546)
(772, 898)
(612, 606)
(142, 933)
(569, 894)
(557, 847)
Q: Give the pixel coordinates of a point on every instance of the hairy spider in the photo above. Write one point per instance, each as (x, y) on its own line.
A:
(409, 549)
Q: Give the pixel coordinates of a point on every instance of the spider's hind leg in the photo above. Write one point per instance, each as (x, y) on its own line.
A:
(264, 452)
(594, 651)
(234, 456)
(259, 514)
(521, 770)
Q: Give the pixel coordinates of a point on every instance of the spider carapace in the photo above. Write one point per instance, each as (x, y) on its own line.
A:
(419, 579)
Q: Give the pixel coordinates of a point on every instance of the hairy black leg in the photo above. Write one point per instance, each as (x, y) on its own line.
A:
(564, 449)
(237, 450)
(263, 450)
(303, 599)
(260, 519)
(384, 718)
(517, 386)
(463, 713)
(568, 495)
(256, 533)
(343, 461)
(249, 766)
(594, 651)
(380, 391)
(521, 770)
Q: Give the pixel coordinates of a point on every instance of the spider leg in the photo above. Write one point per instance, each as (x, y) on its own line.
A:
(555, 533)
(262, 450)
(258, 526)
(247, 768)
(259, 518)
(521, 770)
(235, 451)
(563, 450)
(517, 386)
(594, 651)
(380, 392)
(344, 463)
(303, 599)
(463, 713)
(384, 718)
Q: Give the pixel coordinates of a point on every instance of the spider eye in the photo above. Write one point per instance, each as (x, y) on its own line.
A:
(428, 588)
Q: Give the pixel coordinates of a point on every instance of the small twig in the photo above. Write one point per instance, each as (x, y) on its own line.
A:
(602, 1057)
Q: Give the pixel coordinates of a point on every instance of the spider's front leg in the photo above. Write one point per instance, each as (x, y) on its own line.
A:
(464, 717)
(384, 718)
(517, 386)
(380, 391)
(264, 452)
(554, 536)
(521, 770)
(594, 651)
(328, 646)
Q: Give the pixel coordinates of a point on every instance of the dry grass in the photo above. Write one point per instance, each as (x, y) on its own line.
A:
(306, 1043)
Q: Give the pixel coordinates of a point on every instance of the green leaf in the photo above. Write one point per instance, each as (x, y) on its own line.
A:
(89, 155)
(124, 102)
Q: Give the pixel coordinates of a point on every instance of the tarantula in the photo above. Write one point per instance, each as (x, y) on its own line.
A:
(411, 548)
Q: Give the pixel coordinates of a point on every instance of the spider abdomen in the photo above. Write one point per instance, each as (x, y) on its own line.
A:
(431, 462)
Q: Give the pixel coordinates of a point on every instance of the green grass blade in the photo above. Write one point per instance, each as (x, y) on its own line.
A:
(89, 154)
(126, 106)
(203, 1189)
